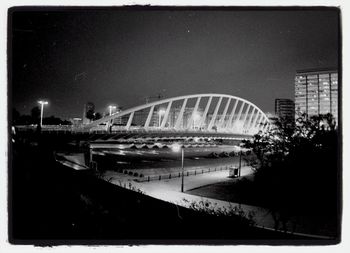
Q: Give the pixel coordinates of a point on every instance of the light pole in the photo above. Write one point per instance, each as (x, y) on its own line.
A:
(176, 148)
(110, 124)
(240, 163)
(111, 108)
(42, 103)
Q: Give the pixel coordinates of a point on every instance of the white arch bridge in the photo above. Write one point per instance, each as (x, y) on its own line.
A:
(211, 113)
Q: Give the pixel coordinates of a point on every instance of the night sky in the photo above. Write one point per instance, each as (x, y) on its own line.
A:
(122, 56)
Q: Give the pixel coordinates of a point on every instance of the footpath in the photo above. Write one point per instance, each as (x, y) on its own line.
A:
(169, 190)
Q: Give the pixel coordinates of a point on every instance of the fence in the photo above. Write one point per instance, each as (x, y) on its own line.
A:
(187, 173)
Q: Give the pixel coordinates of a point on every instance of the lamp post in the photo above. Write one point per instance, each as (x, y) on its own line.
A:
(110, 124)
(240, 163)
(42, 103)
(111, 108)
(176, 148)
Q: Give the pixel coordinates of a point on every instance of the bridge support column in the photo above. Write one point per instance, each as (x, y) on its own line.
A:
(129, 121)
(213, 119)
(166, 114)
(224, 113)
(205, 112)
(229, 122)
(250, 119)
(191, 121)
(255, 120)
(258, 125)
(149, 117)
(180, 116)
(239, 114)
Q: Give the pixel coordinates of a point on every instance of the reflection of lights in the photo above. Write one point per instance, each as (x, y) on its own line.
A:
(121, 152)
(122, 162)
(196, 139)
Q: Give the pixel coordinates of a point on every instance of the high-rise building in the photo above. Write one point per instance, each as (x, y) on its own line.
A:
(316, 92)
(284, 108)
(89, 110)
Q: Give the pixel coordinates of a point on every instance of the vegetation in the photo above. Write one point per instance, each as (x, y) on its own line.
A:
(297, 168)
(236, 212)
(90, 113)
(34, 118)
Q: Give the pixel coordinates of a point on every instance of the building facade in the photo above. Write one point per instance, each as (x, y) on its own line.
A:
(284, 108)
(316, 92)
(88, 109)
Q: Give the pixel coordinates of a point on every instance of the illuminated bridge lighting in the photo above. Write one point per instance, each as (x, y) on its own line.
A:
(205, 113)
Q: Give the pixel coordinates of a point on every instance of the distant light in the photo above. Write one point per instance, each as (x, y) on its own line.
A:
(161, 111)
(43, 102)
(196, 116)
(111, 108)
(176, 147)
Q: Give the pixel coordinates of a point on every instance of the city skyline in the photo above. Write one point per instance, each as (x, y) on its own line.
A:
(108, 56)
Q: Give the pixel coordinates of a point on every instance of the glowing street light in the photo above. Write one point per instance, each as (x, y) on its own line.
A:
(111, 108)
(42, 103)
(161, 112)
(176, 148)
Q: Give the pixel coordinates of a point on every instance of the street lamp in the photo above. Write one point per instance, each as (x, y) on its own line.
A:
(110, 124)
(240, 163)
(42, 103)
(176, 148)
(111, 107)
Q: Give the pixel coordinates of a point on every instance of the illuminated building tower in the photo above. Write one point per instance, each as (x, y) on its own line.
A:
(316, 92)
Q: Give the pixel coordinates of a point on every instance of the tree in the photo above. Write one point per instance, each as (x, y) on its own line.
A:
(52, 120)
(97, 116)
(15, 116)
(296, 166)
(35, 114)
(90, 111)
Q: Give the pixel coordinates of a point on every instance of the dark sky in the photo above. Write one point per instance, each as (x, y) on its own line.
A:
(122, 56)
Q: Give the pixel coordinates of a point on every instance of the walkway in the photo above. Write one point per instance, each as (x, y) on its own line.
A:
(169, 190)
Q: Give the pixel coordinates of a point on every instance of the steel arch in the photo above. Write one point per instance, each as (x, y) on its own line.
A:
(254, 119)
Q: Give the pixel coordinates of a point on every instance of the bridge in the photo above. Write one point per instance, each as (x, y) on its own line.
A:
(199, 113)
